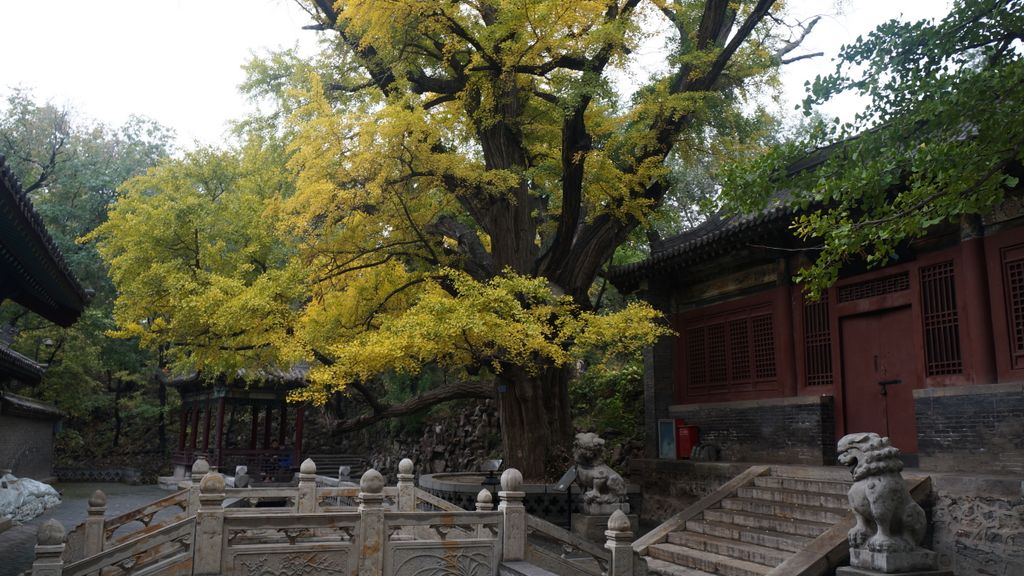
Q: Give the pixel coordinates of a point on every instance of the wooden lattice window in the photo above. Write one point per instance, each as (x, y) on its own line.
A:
(739, 357)
(877, 287)
(696, 371)
(733, 354)
(941, 320)
(1013, 276)
(764, 347)
(718, 372)
(817, 343)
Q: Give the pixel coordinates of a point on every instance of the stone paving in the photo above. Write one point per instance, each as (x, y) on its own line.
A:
(16, 544)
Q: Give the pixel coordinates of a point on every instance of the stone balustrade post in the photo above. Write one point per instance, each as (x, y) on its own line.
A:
(511, 495)
(209, 537)
(200, 468)
(406, 486)
(620, 544)
(49, 549)
(371, 523)
(484, 503)
(306, 503)
(94, 537)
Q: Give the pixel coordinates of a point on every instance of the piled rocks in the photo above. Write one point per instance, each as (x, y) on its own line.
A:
(457, 440)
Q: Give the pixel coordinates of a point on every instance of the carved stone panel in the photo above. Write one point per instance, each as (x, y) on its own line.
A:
(291, 563)
(440, 559)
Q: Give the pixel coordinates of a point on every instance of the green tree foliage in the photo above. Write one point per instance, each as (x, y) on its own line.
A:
(71, 169)
(941, 137)
(456, 177)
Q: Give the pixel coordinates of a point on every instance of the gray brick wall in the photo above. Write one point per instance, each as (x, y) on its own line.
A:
(26, 446)
(797, 430)
(971, 428)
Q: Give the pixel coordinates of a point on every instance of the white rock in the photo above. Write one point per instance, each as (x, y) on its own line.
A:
(23, 499)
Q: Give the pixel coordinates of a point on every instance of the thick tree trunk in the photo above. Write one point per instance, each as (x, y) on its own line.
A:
(536, 423)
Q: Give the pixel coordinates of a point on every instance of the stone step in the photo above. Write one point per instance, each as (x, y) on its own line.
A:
(783, 510)
(830, 473)
(804, 484)
(777, 540)
(788, 496)
(706, 561)
(807, 528)
(663, 568)
(731, 548)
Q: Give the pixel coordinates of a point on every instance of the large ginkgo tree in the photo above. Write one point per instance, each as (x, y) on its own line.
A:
(438, 192)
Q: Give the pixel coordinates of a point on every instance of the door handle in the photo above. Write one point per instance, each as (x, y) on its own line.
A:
(884, 383)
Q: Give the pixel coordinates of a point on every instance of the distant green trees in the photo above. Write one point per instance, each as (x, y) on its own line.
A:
(71, 169)
(940, 138)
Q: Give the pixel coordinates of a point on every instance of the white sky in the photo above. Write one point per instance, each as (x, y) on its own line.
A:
(179, 61)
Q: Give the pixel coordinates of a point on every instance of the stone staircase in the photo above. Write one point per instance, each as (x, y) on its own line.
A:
(766, 521)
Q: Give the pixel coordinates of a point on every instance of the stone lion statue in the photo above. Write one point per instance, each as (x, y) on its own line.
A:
(602, 485)
(888, 519)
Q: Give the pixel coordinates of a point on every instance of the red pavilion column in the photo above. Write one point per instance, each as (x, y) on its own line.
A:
(255, 425)
(267, 415)
(195, 426)
(219, 441)
(300, 411)
(206, 427)
(282, 430)
(183, 428)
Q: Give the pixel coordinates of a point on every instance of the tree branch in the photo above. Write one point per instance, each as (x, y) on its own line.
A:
(805, 29)
(426, 400)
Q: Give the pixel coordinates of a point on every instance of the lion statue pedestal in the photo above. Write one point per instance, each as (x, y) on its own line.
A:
(890, 524)
(604, 490)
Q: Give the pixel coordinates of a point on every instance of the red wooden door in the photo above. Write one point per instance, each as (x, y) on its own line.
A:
(879, 375)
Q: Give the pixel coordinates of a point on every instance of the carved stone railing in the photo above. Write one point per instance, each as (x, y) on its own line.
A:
(98, 533)
(393, 531)
(557, 550)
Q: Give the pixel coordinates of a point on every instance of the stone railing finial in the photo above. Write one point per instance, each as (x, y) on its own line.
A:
(307, 466)
(511, 480)
(51, 533)
(484, 500)
(619, 537)
(372, 482)
(511, 494)
(200, 467)
(405, 466)
(212, 483)
(98, 499)
(49, 549)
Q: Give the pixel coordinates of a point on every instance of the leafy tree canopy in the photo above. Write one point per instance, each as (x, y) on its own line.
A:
(941, 137)
(70, 168)
(440, 188)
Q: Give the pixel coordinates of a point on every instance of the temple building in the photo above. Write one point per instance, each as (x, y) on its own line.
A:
(33, 273)
(928, 350)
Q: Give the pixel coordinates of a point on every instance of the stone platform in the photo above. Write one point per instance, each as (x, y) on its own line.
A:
(592, 526)
(851, 571)
(894, 562)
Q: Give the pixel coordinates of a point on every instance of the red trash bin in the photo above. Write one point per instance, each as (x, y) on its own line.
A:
(686, 438)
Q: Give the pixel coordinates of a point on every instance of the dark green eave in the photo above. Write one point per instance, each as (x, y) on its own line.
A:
(15, 405)
(33, 272)
(717, 236)
(14, 365)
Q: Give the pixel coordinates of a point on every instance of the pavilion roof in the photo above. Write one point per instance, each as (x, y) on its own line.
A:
(263, 379)
(33, 272)
(23, 406)
(19, 366)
